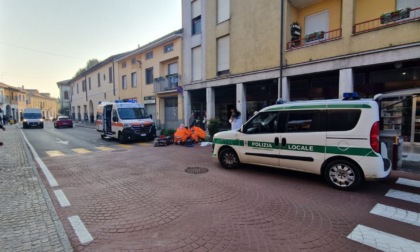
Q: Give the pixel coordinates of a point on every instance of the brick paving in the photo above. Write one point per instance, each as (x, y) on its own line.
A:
(28, 221)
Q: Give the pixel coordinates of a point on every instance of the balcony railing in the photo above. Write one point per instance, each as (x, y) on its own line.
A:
(168, 83)
(314, 39)
(388, 20)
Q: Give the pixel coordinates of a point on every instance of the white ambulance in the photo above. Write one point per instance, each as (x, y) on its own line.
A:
(338, 139)
(125, 120)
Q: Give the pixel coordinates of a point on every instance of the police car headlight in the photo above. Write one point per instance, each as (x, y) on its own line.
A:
(24, 120)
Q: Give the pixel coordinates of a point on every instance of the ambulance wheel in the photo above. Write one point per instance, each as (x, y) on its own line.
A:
(343, 175)
(228, 158)
(121, 138)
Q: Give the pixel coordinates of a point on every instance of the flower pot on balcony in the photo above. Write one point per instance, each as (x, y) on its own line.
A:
(314, 36)
(395, 15)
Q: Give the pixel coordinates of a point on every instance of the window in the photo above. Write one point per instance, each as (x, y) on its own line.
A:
(124, 82)
(99, 79)
(133, 61)
(223, 56)
(77, 87)
(172, 68)
(149, 75)
(168, 48)
(196, 25)
(402, 4)
(223, 10)
(196, 63)
(124, 64)
(90, 84)
(317, 22)
(342, 120)
(66, 95)
(83, 86)
(110, 74)
(149, 55)
(303, 121)
(134, 79)
(265, 122)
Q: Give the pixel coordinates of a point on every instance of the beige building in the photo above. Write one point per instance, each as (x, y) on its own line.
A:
(92, 86)
(151, 75)
(247, 56)
(13, 100)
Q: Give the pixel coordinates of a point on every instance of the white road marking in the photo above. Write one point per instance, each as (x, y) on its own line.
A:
(381, 240)
(397, 214)
(409, 182)
(62, 142)
(80, 230)
(44, 168)
(411, 197)
(61, 197)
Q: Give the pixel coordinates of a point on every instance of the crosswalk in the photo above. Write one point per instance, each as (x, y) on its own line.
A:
(57, 153)
(390, 242)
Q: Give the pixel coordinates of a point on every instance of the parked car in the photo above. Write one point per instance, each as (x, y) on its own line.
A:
(63, 121)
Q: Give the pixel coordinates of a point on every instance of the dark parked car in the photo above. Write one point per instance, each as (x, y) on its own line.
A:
(63, 121)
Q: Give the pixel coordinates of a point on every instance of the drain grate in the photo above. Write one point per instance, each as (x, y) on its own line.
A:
(196, 170)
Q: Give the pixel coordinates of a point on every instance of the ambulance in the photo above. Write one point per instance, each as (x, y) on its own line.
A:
(125, 120)
(337, 139)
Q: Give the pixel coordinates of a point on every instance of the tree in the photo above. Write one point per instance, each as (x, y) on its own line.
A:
(91, 63)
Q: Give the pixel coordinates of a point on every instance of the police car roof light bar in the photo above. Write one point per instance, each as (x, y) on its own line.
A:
(351, 96)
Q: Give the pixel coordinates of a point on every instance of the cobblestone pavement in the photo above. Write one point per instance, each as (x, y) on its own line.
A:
(146, 199)
(28, 221)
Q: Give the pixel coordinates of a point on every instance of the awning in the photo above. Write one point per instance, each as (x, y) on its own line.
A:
(400, 93)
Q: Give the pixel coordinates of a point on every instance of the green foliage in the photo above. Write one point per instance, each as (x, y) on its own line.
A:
(91, 63)
(167, 132)
(213, 126)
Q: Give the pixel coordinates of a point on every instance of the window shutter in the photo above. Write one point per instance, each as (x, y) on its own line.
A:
(196, 63)
(223, 53)
(223, 10)
(402, 4)
(196, 8)
(173, 68)
(317, 22)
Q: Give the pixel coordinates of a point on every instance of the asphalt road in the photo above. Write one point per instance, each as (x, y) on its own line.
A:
(144, 198)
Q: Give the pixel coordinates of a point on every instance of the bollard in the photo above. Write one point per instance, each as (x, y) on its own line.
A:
(395, 154)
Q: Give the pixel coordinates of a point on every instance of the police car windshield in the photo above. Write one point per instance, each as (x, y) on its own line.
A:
(132, 113)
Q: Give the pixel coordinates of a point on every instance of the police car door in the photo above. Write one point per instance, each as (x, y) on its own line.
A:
(303, 140)
(261, 140)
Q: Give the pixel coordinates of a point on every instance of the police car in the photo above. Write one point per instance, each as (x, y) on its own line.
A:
(338, 139)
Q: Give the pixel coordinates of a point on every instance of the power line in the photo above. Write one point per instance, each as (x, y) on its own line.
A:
(40, 51)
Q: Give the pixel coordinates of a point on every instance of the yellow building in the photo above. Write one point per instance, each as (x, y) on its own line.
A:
(150, 75)
(13, 100)
(247, 56)
(49, 106)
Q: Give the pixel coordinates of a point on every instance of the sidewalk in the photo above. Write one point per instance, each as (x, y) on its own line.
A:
(28, 220)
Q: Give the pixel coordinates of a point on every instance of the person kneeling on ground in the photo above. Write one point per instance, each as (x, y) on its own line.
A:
(182, 133)
(198, 134)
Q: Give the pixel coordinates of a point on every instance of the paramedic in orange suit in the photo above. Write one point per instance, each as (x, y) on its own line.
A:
(198, 133)
(181, 134)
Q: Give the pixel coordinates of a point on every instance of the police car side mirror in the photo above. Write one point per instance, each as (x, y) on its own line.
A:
(151, 117)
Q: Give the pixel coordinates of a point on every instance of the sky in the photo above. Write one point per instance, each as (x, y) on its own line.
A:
(43, 42)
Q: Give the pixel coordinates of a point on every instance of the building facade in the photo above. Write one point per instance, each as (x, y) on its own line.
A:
(92, 86)
(248, 56)
(13, 100)
(65, 97)
(151, 75)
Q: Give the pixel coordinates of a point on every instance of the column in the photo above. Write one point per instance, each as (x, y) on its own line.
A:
(345, 82)
(210, 103)
(241, 101)
(285, 89)
(187, 106)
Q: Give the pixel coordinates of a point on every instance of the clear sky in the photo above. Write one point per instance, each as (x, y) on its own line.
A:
(43, 42)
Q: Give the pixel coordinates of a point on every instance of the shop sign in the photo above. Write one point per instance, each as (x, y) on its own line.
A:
(150, 100)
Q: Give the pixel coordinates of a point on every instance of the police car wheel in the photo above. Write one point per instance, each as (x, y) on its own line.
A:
(229, 159)
(342, 174)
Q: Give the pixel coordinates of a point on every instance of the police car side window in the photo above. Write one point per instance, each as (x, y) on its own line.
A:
(265, 122)
(305, 121)
(343, 119)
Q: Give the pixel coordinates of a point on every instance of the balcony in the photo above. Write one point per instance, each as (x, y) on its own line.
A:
(386, 20)
(314, 39)
(165, 84)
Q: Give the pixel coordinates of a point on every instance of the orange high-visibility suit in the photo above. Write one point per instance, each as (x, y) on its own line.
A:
(197, 133)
